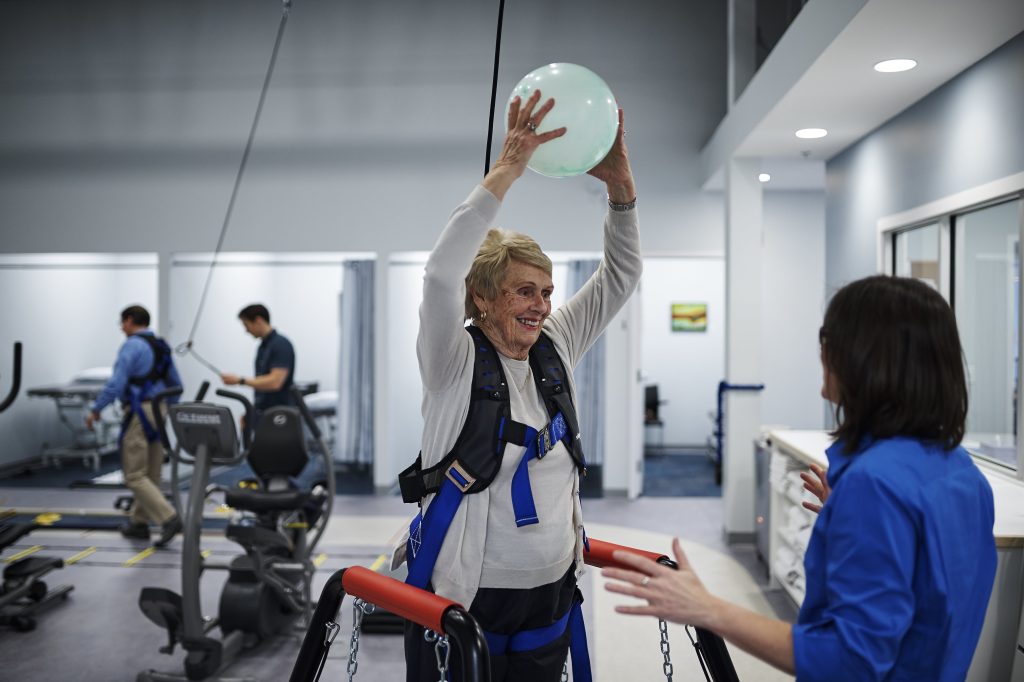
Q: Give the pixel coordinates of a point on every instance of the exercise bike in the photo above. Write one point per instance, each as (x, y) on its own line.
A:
(277, 525)
(23, 593)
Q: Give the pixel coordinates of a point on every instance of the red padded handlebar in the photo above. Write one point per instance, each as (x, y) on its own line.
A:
(403, 600)
(600, 554)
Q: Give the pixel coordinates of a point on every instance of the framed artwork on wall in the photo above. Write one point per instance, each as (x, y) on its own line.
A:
(689, 317)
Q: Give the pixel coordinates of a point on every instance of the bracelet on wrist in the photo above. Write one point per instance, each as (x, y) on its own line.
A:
(628, 206)
(241, 381)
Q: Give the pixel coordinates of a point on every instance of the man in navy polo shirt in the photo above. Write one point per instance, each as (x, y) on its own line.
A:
(275, 362)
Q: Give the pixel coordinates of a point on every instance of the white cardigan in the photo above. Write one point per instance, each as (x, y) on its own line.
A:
(483, 547)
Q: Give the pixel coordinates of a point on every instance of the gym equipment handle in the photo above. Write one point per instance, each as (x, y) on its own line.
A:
(429, 610)
(16, 384)
(306, 416)
(599, 554)
(249, 414)
(158, 411)
(710, 647)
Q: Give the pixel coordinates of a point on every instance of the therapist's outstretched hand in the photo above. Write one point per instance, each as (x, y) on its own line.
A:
(674, 595)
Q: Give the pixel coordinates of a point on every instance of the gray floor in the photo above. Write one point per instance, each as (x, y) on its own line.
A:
(100, 634)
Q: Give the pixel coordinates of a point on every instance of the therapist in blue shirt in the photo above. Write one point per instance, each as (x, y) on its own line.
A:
(900, 563)
(275, 362)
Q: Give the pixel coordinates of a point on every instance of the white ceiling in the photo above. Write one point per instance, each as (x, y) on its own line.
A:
(838, 88)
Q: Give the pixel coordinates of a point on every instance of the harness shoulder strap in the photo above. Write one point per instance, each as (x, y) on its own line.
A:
(161, 366)
(551, 378)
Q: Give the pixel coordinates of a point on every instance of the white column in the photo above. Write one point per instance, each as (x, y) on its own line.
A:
(743, 247)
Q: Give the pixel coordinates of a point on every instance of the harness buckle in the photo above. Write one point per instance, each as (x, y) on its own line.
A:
(460, 477)
(544, 443)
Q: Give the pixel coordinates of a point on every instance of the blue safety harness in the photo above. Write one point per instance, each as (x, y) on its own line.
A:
(474, 462)
(141, 386)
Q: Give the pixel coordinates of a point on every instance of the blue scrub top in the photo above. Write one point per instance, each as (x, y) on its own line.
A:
(275, 351)
(899, 566)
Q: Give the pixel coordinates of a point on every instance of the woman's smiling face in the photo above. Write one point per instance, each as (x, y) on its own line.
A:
(515, 316)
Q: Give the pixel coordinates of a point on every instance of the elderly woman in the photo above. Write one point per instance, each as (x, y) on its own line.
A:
(900, 563)
(500, 527)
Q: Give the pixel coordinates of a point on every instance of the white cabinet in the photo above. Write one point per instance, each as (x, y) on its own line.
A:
(790, 525)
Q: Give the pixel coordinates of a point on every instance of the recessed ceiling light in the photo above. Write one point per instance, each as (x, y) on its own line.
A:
(811, 133)
(764, 177)
(895, 65)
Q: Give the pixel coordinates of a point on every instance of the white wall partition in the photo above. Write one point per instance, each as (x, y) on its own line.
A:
(301, 290)
(65, 309)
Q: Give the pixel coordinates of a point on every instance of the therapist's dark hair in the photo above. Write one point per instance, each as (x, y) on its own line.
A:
(137, 314)
(251, 312)
(892, 346)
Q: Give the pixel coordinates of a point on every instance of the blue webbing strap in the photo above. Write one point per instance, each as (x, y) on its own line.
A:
(538, 444)
(528, 640)
(426, 534)
(136, 408)
(578, 645)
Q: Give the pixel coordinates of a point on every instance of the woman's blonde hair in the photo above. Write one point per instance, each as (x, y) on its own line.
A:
(500, 248)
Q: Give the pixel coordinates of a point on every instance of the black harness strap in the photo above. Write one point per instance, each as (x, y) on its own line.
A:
(161, 361)
(479, 449)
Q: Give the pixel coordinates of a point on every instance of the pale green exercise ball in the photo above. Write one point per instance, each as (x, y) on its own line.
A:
(584, 104)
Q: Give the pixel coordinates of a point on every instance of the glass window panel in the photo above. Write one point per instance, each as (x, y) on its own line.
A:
(917, 253)
(986, 276)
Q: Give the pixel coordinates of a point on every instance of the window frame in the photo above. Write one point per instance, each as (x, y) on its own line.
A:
(945, 212)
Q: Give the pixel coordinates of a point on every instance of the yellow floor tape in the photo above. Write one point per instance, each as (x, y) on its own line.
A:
(81, 555)
(379, 562)
(139, 557)
(22, 554)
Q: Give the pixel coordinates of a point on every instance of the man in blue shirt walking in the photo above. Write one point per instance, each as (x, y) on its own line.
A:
(143, 368)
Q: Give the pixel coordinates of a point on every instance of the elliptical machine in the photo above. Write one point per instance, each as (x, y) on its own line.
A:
(278, 526)
(23, 593)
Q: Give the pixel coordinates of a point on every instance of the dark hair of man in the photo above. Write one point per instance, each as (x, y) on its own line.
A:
(137, 314)
(251, 312)
(892, 346)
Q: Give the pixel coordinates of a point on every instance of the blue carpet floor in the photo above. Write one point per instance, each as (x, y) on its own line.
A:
(679, 472)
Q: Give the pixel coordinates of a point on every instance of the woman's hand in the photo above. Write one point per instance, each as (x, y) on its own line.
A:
(521, 141)
(675, 595)
(817, 485)
(614, 169)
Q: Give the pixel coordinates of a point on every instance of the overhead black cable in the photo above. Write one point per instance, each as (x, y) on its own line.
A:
(494, 87)
(186, 347)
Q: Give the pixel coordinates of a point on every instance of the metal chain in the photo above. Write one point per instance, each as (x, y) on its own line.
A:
(665, 651)
(359, 609)
(442, 651)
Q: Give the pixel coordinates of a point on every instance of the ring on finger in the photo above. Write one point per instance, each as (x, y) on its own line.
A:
(532, 126)
(643, 581)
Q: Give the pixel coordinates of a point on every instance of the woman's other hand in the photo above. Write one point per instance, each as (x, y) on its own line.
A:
(675, 595)
(521, 141)
(816, 483)
(614, 169)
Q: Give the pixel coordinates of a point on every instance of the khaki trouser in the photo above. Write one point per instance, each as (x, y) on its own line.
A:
(141, 462)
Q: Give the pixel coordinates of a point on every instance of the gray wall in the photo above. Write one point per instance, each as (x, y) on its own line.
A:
(792, 305)
(964, 134)
(123, 122)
